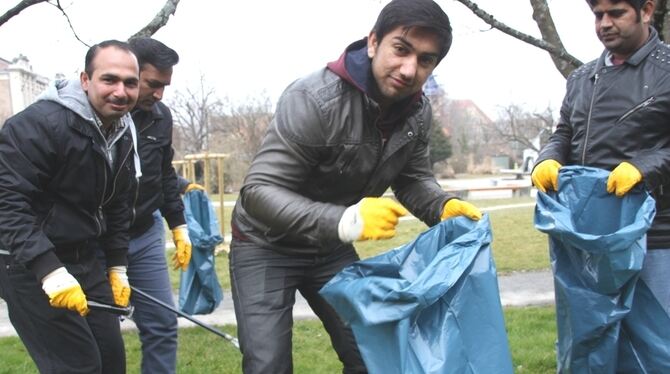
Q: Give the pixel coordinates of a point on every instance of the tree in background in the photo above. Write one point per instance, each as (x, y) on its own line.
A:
(551, 40)
(160, 19)
(440, 144)
(242, 130)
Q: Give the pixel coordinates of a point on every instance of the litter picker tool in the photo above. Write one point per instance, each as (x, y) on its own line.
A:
(233, 340)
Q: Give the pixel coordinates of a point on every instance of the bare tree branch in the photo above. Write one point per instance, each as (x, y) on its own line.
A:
(17, 9)
(160, 20)
(59, 7)
(540, 13)
(544, 21)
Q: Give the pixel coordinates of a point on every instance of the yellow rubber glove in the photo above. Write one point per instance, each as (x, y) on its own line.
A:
(194, 186)
(372, 218)
(182, 244)
(545, 175)
(623, 178)
(456, 207)
(118, 279)
(64, 291)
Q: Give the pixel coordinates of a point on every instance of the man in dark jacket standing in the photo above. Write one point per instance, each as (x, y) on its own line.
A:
(339, 138)
(65, 166)
(616, 116)
(156, 196)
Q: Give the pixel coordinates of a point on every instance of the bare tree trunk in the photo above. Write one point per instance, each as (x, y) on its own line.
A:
(662, 19)
(17, 9)
(545, 23)
(160, 20)
(551, 43)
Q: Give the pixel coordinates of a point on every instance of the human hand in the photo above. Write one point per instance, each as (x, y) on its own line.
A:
(118, 279)
(370, 219)
(456, 207)
(623, 178)
(545, 175)
(182, 243)
(194, 186)
(64, 291)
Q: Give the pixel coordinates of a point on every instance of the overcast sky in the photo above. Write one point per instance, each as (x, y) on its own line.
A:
(246, 47)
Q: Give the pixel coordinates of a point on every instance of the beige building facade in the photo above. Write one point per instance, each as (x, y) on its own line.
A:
(19, 86)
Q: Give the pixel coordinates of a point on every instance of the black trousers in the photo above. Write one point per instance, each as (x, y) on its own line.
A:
(264, 283)
(60, 340)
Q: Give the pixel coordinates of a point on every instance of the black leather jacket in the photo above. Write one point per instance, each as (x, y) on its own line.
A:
(58, 189)
(621, 113)
(158, 184)
(322, 153)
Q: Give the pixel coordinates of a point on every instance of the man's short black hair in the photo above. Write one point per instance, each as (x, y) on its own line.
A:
(93, 51)
(151, 51)
(636, 4)
(415, 13)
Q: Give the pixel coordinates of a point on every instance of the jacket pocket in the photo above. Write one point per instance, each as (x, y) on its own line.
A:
(636, 109)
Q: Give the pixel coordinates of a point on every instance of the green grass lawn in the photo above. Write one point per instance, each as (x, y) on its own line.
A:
(531, 333)
(516, 244)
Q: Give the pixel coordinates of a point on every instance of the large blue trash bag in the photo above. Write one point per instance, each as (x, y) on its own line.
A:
(607, 320)
(430, 306)
(199, 289)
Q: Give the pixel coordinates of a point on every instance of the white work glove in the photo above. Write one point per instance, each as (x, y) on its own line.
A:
(64, 291)
(118, 280)
(371, 219)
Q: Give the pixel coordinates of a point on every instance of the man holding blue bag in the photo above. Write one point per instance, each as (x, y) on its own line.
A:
(615, 117)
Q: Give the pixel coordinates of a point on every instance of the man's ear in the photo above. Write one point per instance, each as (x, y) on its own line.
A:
(647, 11)
(84, 79)
(372, 44)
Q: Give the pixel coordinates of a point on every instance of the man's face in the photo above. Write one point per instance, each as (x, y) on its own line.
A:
(113, 86)
(402, 61)
(152, 85)
(618, 26)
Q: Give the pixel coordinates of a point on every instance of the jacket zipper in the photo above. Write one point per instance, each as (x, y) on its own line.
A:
(636, 108)
(137, 187)
(588, 121)
(123, 161)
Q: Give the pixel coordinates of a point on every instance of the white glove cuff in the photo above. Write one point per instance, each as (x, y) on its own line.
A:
(57, 280)
(121, 271)
(350, 227)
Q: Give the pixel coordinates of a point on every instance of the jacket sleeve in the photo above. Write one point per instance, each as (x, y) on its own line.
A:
(283, 163)
(558, 146)
(416, 187)
(173, 206)
(28, 160)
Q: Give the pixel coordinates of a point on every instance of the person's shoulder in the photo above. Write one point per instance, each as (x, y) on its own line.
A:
(583, 71)
(323, 85)
(660, 55)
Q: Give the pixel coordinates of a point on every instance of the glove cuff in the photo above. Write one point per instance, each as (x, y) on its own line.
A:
(350, 226)
(57, 280)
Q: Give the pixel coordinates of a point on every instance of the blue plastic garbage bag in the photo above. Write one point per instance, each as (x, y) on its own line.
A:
(607, 320)
(430, 306)
(199, 290)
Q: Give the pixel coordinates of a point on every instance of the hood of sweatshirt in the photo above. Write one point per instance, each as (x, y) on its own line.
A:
(355, 67)
(70, 94)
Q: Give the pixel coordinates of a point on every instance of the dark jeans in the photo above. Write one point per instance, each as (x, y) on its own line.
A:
(263, 286)
(60, 340)
(147, 270)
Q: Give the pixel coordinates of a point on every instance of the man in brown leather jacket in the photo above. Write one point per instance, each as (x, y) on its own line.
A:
(339, 138)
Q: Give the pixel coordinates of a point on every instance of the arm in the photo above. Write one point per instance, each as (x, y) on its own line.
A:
(558, 146)
(173, 206)
(282, 165)
(28, 160)
(416, 187)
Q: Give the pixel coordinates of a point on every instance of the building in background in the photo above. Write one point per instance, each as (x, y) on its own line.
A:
(19, 86)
